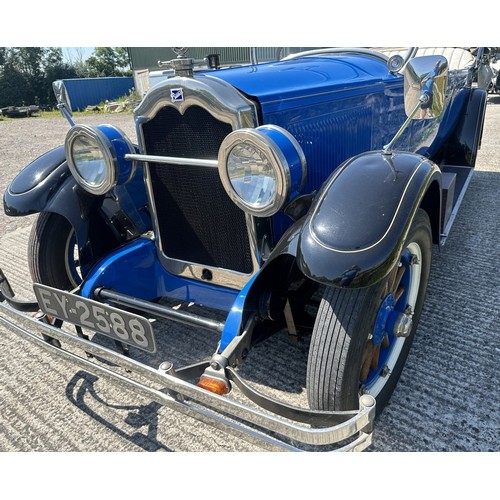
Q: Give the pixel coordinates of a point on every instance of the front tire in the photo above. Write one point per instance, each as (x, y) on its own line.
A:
(52, 252)
(361, 337)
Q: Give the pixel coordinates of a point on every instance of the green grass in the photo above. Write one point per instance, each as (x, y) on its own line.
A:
(57, 114)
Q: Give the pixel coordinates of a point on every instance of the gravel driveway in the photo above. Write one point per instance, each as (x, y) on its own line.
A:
(447, 399)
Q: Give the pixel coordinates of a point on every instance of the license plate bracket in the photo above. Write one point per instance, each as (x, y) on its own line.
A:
(124, 326)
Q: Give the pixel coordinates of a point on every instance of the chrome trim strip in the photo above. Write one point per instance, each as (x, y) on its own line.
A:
(337, 50)
(359, 426)
(253, 56)
(190, 162)
(226, 104)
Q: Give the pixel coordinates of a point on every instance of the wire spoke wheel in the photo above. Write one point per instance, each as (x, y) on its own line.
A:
(361, 337)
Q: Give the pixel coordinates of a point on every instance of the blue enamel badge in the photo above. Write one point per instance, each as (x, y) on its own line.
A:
(176, 95)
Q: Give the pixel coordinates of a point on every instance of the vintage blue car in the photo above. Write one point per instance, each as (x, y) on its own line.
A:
(303, 194)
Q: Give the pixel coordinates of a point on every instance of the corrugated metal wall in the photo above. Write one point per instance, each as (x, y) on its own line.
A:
(85, 92)
(148, 57)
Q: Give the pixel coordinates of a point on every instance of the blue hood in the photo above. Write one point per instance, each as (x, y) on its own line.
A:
(313, 76)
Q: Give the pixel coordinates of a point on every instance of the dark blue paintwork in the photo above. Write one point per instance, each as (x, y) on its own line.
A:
(335, 107)
(338, 106)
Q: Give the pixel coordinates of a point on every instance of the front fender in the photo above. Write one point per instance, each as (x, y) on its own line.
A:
(100, 224)
(46, 185)
(33, 188)
(357, 225)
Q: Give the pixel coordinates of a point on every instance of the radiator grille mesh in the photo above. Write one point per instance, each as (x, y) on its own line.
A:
(197, 221)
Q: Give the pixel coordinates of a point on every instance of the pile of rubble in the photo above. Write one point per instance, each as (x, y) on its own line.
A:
(115, 107)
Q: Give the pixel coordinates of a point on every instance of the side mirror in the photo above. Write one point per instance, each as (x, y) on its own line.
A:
(425, 81)
(63, 102)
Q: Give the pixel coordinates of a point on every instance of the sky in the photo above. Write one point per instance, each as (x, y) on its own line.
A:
(343, 24)
(73, 54)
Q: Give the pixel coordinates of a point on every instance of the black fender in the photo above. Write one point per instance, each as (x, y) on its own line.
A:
(36, 184)
(46, 185)
(465, 141)
(355, 229)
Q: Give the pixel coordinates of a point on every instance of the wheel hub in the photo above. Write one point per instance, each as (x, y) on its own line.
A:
(400, 324)
(385, 312)
(390, 321)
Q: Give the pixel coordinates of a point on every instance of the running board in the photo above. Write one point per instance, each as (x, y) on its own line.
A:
(455, 181)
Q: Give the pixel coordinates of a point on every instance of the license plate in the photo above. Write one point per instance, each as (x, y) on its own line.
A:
(120, 325)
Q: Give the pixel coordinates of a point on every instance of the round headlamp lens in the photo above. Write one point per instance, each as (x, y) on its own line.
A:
(261, 168)
(89, 161)
(252, 175)
(96, 157)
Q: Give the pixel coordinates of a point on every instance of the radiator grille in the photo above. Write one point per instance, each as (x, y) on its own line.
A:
(197, 221)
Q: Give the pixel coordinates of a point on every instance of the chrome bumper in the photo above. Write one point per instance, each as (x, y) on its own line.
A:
(257, 426)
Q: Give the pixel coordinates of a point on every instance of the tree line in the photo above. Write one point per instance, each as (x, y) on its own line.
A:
(27, 73)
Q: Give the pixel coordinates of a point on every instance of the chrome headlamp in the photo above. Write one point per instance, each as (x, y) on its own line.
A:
(96, 157)
(261, 169)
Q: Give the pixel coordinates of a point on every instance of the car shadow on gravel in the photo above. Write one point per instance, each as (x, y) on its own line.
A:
(130, 419)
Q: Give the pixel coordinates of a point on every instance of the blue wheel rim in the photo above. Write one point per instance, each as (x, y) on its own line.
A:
(389, 307)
